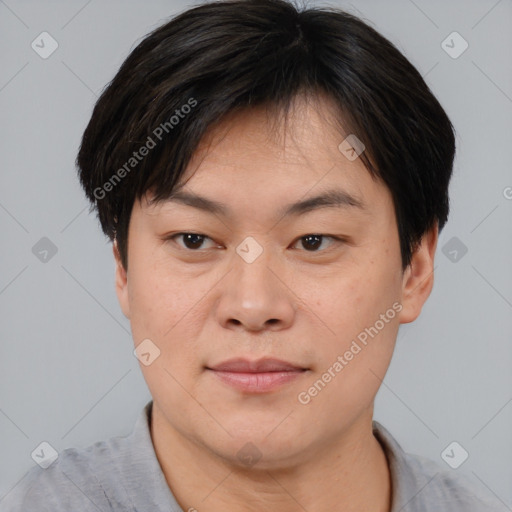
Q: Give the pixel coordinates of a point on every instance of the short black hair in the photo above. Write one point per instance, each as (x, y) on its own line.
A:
(224, 56)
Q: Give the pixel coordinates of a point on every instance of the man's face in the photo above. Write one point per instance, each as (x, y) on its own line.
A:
(255, 287)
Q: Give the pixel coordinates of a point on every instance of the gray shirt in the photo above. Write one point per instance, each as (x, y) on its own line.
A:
(123, 474)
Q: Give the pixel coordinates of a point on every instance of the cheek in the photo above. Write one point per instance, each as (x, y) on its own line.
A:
(351, 308)
(154, 303)
(168, 308)
(352, 362)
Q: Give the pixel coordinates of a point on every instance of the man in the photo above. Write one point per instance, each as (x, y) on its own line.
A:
(274, 181)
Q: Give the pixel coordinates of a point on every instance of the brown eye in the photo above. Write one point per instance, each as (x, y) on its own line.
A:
(192, 241)
(312, 242)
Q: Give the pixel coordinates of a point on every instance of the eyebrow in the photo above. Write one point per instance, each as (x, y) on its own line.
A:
(331, 198)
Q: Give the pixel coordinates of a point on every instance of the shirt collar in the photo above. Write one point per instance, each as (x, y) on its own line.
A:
(152, 491)
(407, 480)
(138, 459)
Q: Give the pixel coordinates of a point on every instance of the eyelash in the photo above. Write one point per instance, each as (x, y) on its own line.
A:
(320, 235)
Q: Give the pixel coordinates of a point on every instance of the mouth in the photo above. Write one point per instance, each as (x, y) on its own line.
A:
(261, 376)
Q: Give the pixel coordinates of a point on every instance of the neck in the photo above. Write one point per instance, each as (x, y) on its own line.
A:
(349, 474)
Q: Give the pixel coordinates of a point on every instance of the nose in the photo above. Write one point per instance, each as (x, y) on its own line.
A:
(255, 296)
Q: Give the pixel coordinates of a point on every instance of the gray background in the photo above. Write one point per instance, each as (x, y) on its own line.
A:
(67, 372)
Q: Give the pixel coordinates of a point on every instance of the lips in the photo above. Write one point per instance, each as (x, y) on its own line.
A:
(261, 376)
(260, 366)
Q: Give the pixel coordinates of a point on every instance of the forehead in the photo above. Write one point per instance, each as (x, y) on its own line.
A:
(250, 158)
(309, 133)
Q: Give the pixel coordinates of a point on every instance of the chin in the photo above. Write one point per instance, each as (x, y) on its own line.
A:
(255, 447)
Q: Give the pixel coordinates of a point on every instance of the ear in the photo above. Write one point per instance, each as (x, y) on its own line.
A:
(121, 282)
(418, 278)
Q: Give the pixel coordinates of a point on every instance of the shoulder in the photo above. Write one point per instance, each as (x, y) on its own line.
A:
(421, 485)
(74, 481)
(447, 490)
(119, 474)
